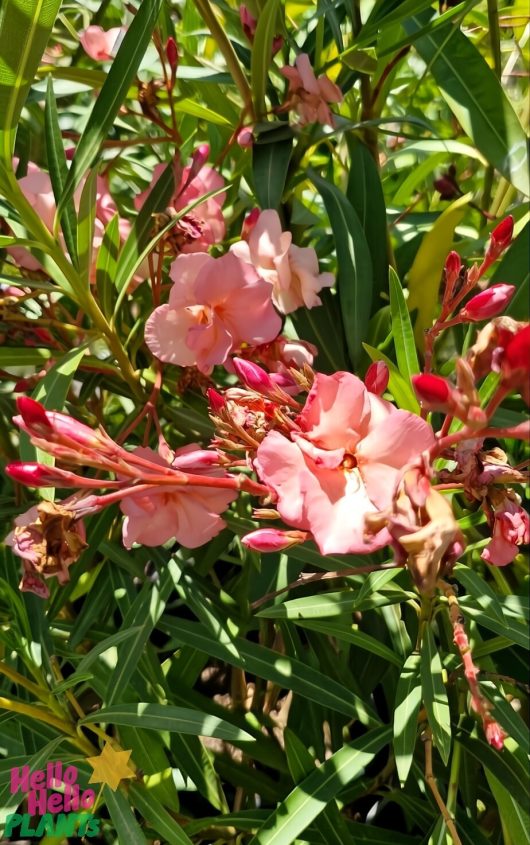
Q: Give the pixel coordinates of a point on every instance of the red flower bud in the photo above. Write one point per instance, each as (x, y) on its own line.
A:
(34, 415)
(489, 303)
(501, 238)
(217, 402)
(517, 351)
(453, 265)
(376, 378)
(272, 539)
(433, 391)
(248, 22)
(249, 222)
(172, 53)
(252, 375)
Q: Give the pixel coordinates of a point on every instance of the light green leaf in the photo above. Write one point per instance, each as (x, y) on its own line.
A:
(310, 797)
(400, 388)
(163, 717)
(261, 56)
(476, 97)
(348, 634)
(58, 170)
(406, 709)
(112, 94)
(153, 811)
(123, 818)
(107, 265)
(435, 695)
(406, 355)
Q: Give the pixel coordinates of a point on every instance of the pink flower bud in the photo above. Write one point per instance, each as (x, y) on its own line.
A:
(38, 475)
(495, 735)
(273, 540)
(501, 238)
(252, 376)
(217, 402)
(245, 138)
(376, 378)
(432, 391)
(172, 53)
(488, 303)
(248, 223)
(453, 265)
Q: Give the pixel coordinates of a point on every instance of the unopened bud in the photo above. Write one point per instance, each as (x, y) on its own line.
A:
(432, 391)
(248, 22)
(253, 376)
(495, 735)
(273, 540)
(453, 265)
(217, 402)
(249, 222)
(38, 475)
(172, 53)
(376, 378)
(34, 415)
(517, 351)
(501, 238)
(488, 303)
(245, 138)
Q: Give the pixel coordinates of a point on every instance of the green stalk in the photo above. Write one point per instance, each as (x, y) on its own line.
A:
(229, 54)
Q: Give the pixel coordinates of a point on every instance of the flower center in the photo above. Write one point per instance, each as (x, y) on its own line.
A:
(349, 461)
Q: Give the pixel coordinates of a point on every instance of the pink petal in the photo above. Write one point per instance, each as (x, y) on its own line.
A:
(166, 331)
(307, 74)
(184, 272)
(398, 439)
(335, 410)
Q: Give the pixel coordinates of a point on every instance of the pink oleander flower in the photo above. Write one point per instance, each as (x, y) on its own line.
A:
(189, 514)
(49, 538)
(291, 270)
(205, 225)
(215, 305)
(308, 95)
(511, 528)
(101, 45)
(343, 463)
(488, 303)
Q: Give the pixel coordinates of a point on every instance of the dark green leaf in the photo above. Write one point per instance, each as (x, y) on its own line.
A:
(270, 162)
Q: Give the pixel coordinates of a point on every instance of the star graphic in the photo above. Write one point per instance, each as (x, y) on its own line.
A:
(110, 767)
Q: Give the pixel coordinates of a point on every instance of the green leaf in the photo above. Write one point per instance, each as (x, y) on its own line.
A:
(107, 265)
(58, 170)
(365, 192)
(355, 275)
(112, 94)
(143, 615)
(435, 695)
(52, 392)
(400, 389)
(329, 822)
(503, 765)
(261, 55)
(104, 645)
(162, 717)
(25, 27)
(512, 628)
(277, 668)
(514, 816)
(406, 709)
(481, 591)
(13, 356)
(477, 99)
(310, 797)
(152, 810)
(85, 229)
(270, 163)
(323, 327)
(357, 638)
(406, 355)
(123, 818)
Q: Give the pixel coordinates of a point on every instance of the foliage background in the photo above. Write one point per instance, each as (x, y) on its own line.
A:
(330, 674)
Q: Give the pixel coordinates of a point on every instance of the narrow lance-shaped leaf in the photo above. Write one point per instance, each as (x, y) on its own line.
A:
(406, 709)
(270, 163)
(406, 355)
(107, 266)
(435, 695)
(266, 29)
(354, 279)
(58, 170)
(476, 97)
(112, 94)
